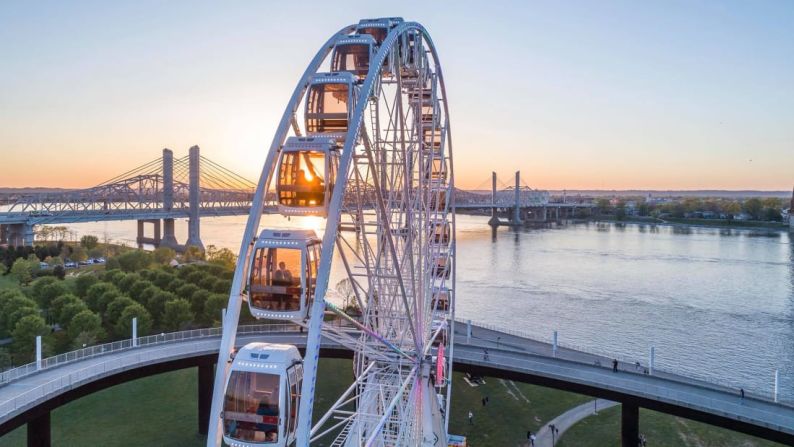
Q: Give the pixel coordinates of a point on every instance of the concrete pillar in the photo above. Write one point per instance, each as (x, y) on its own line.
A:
(651, 360)
(468, 331)
(169, 238)
(554, 345)
(629, 425)
(517, 201)
(494, 221)
(777, 382)
(206, 377)
(193, 232)
(28, 235)
(38, 352)
(39, 431)
(135, 332)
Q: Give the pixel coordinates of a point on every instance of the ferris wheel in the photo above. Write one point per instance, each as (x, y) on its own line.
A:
(365, 143)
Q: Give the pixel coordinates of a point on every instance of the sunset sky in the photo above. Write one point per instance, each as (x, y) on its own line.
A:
(577, 95)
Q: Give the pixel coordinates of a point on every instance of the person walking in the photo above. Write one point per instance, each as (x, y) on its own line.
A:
(741, 393)
(615, 365)
(471, 418)
(532, 439)
(483, 401)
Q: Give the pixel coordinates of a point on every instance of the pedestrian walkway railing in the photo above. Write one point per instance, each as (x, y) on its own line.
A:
(594, 357)
(122, 345)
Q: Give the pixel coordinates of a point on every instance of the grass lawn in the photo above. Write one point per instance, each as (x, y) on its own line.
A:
(161, 410)
(661, 430)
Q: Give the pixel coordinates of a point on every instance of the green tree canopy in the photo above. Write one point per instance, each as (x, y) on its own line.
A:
(177, 314)
(24, 270)
(94, 295)
(115, 308)
(25, 332)
(163, 255)
(223, 257)
(89, 242)
(156, 304)
(186, 291)
(59, 304)
(213, 307)
(83, 282)
(197, 302)
(39, 284)
(134, 260)
(69, 311)
(50, 292)
(125, 283)
(123, 326)
(192, 254)
(86, 322)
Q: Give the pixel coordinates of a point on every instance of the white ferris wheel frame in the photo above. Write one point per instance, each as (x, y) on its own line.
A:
(315, 321)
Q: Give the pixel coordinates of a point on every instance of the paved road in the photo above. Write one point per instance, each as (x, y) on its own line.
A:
(567, 420)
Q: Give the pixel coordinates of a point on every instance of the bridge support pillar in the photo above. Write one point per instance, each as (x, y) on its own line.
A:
(169, 236)
(39, 431)
(517, 205)
(142, 239)
(193, 226)
(629, 425)
(19, 235)
(206, 377)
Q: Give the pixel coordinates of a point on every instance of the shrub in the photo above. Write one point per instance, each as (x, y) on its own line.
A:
(25, 332)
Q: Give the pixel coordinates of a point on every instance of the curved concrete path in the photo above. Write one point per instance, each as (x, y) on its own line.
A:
(568, 419)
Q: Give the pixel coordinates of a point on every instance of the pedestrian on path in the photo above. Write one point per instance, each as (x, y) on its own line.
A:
(741, 393)
(615, 365)
(485, 354)
(471, 418)
(483, 401)
(532, 439)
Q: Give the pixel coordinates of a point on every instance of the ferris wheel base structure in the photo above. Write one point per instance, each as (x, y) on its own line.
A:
(365, 144)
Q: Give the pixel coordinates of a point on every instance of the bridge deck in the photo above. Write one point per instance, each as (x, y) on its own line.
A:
(514, 356)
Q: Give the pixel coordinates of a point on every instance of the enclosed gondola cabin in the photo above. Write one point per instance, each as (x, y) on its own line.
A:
(329, 102)
(413, 59)
(283, 274)
(441, 266)
(378, 28)
(440, 298)
(352, 54)
(260, 405)
(306, 175)
(440, 232)
(435, 169)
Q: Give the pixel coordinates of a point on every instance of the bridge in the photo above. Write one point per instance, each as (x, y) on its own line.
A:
(29, 393)
(163, 189)
(519, 204)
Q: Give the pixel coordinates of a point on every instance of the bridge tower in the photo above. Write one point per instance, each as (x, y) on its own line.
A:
(494, 221)
(517, 201)
(193, 227)
(169, 238)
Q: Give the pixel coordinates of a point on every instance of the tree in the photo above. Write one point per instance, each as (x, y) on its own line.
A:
(23, 270)
(59, 304)
(163, 279)
(603, 206)
(186, 291)
(59, 271)
(223, 257)
(213, 307)
(69, 311)
(112, 264)
(89, 242)
(37, 286)
(86, 322)
(147, 294)
(94, 295)
(192, 254)
(83, 282)
(14, 306)
(50, 292)
(78, 254)
(25, 332)
(125, 283)
(197, 301)
(5, 359)
(137, 288)
(156, 304)
(123, 326)
(117, 306)
(134, 260)
(177, 314)
(95, 253)
(753, 207)
(163, 255)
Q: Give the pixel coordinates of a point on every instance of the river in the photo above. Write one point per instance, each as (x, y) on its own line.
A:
(715, 303)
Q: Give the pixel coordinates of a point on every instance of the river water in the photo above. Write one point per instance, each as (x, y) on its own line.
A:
(716, 304)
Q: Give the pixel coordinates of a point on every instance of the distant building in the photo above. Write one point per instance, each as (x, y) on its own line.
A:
(742, 216)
